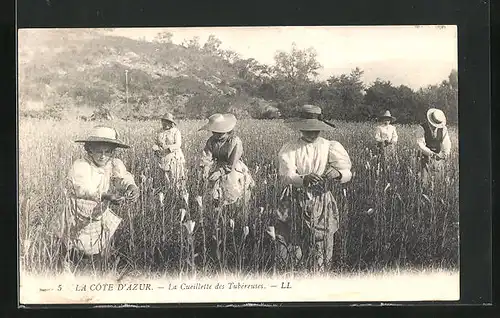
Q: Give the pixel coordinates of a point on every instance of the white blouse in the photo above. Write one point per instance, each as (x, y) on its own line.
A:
(300, 158)
(386, 132)
(169, 139)
(88, 182)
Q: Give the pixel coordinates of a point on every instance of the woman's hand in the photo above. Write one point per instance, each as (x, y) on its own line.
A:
(438, 156)
(312, 179)
(215, 175)
(332, 174)
(112, 198)
(132, 193)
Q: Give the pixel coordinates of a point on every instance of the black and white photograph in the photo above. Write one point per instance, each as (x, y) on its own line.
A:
(238, 164)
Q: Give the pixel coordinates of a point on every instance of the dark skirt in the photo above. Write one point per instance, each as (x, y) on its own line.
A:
(306, 217)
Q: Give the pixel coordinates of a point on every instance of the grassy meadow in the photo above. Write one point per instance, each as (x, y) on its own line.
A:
(385, 220)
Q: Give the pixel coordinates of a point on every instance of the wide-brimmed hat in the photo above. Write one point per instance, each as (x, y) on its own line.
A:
(387, 115)
(104, 134)
(436, 118)
(309, 120)
(169, 117)
(220, 123)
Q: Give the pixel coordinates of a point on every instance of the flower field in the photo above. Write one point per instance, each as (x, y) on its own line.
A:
(386, 221)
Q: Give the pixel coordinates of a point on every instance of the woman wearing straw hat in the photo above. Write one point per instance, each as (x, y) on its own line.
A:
(168, 150)
(308, 167)
(226, 174)
(385, 134)
(94, 182)
(433, 143)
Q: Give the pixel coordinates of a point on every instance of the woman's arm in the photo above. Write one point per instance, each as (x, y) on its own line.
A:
(339, 159)
(394, 138)
(177, 141)
(288, 168)
(378, 135)
(206, 160)
(235, 153)
(421, 142)
(445, 145)
(125, 178)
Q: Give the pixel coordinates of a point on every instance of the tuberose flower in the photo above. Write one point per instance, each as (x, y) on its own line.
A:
(183, 214)
(185, 197)
(161, 196)
(199, 200)
(387, 187)
(190, 226)
(271, 232)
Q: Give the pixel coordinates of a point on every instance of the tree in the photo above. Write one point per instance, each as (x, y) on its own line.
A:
(344, 95)
(212, 46)
(443, 96)
(164, 37)
(193, 43)
(298, 65)
(292, 75)
(230, 56)
(380, 96)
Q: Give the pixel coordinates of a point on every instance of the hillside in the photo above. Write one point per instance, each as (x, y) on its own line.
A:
(73, 72)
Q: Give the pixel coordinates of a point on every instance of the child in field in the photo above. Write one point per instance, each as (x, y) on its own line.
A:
(227, 175)
(386, 135)
(94, 182)
(168, 150)
(433, 143)
(308, 167)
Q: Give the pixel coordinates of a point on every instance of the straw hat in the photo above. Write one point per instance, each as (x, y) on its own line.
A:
(387, 115)
(104, 134)
(169, 117)
(309, 120)
(220, 123)
(436, 118)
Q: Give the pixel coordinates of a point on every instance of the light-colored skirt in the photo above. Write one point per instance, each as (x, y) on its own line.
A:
(232, 187)
(174, 166)
(95, 237)
(90, 236)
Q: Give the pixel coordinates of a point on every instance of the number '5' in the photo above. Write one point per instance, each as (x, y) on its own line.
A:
(59, 288)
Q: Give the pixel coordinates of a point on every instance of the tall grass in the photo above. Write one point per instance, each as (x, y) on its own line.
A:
(385, 220)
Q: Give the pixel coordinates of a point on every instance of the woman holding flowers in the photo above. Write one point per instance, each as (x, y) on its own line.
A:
(308, 167)
(386, 135)
(168, 150)
(95, 182)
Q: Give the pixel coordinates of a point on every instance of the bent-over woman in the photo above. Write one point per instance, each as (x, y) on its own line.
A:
(227, 176)
(434, 145)
(95, 182)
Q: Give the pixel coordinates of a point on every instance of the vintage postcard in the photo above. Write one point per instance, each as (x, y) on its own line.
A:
(238, 165)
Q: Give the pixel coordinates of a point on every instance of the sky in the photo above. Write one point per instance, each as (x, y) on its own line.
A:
(408, 55)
